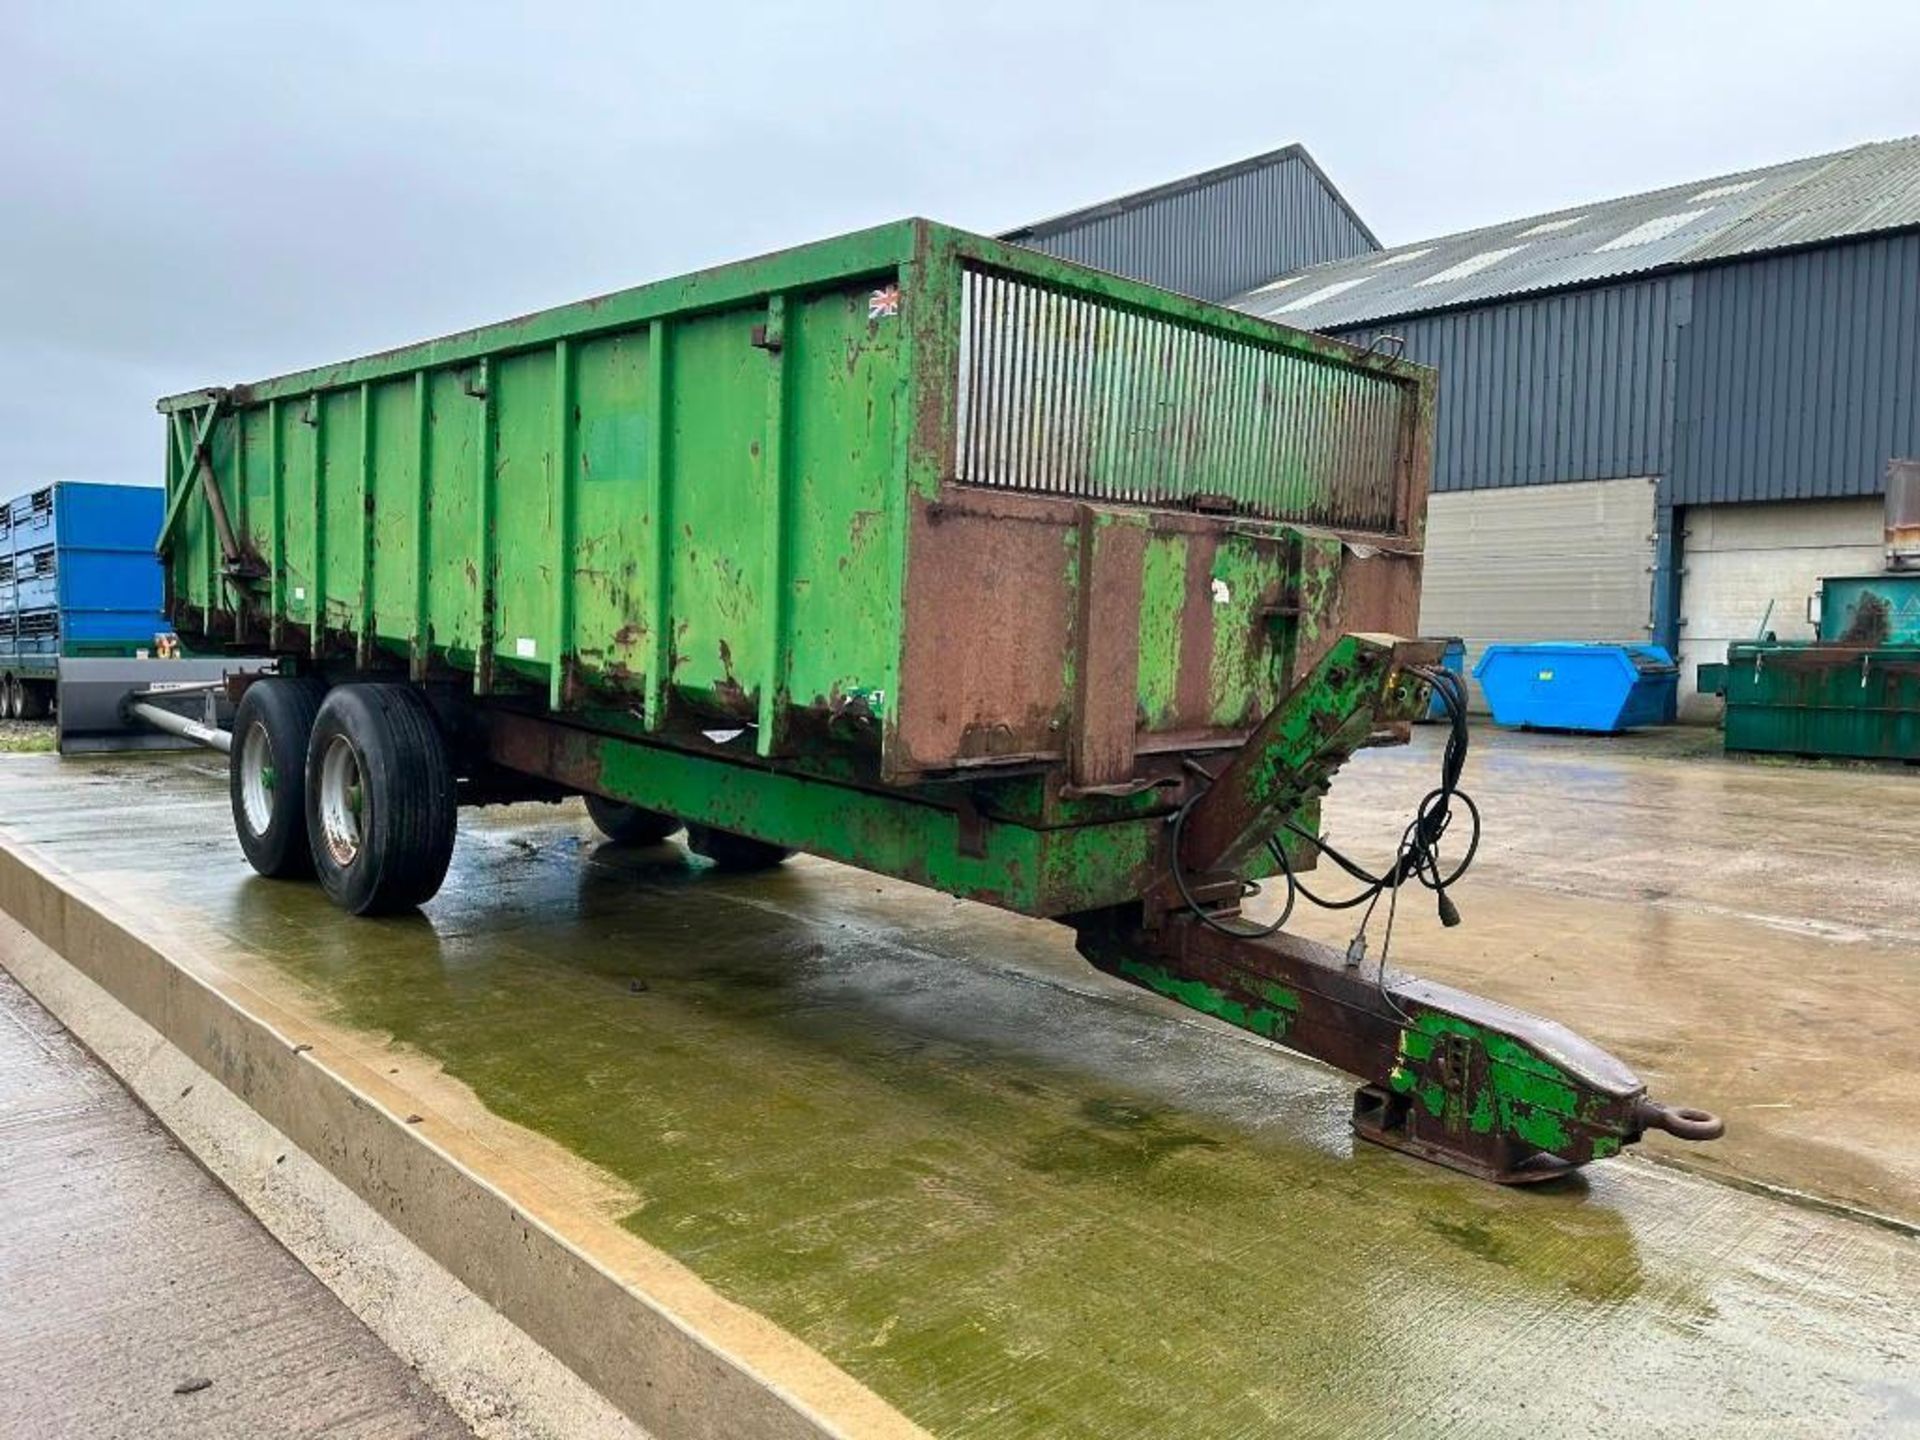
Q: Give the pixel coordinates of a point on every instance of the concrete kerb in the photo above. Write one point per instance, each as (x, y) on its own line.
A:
(645, 1333)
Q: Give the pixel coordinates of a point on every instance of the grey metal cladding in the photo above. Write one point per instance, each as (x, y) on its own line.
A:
(1778, 377)
(1216, 234)
(1576, 386)
(1871, 189)
(1800, 376)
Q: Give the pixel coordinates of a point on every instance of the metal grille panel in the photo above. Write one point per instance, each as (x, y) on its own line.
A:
(1067, 394)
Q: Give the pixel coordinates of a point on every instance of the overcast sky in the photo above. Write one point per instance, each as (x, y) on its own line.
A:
(209, 193)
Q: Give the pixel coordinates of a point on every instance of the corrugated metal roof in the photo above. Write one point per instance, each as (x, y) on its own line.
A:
(1108, 209)
(1213, 240)
(1863, 191)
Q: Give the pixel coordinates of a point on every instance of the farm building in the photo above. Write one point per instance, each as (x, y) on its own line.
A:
(1660, 416)
(1215, 234)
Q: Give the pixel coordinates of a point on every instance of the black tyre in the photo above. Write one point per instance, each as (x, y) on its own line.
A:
(267, 774)
(36, 699)
(381, 808)
(629, 824)
(730, 851)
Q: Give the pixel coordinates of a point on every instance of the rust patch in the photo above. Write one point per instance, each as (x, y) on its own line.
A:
(1377, 592)
(989, 623)
(1107, 649)
(1193, 684)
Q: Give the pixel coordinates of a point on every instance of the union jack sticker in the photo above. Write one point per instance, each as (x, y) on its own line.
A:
(883, 302)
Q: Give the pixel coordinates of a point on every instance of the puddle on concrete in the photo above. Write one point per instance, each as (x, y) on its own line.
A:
(1018, 1202)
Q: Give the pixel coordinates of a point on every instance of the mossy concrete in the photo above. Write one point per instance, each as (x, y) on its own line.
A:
(1012, 1197)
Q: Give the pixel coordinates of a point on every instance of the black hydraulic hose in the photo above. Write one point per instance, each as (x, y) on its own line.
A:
(1212, 921)
(1416, 858)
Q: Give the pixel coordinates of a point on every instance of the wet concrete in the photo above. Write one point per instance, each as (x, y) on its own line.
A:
(137, 1298)
(1012, 1197)
(1743, 934)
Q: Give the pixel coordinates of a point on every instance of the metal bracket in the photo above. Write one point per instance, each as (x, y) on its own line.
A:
(772, 335)
(196, 464)
(973, 828)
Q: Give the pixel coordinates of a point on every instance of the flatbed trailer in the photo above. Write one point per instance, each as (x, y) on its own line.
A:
(911, 549)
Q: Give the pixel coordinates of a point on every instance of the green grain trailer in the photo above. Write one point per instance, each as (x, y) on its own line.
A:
(911, 549)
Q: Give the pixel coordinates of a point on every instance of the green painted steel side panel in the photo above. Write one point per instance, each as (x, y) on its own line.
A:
(627, 495)
(1823, 700)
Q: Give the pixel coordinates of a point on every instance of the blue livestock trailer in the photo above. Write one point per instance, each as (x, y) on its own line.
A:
(78, 578)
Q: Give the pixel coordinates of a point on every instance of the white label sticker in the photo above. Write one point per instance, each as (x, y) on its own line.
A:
(299, 592)
(1222, 594)
(1546, 675)
(524, 647)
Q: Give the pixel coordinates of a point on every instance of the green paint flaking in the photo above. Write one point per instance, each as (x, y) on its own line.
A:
(1243, 682)
(1526, 1095)
(1163, 581)
(1271, 1021)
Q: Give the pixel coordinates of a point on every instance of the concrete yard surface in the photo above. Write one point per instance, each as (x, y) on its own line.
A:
(1741, 932)
(1009, 1197)
(138, 1299)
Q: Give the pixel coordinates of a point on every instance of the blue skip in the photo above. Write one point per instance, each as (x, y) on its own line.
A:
(1564, 686)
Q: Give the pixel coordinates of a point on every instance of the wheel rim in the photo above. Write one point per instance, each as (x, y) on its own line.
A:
(342, 796)
(257, 778)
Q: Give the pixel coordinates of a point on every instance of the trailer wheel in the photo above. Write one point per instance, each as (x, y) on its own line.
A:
(267, 774)
(731, 851)
(629, 824)
(36, 697)
(381, 808)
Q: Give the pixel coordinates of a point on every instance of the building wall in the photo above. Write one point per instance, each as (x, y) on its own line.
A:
(1218, 238)
(1562, 562)
(1751, 567)
(1800, 374)
(1569, 387)
(1789, 377)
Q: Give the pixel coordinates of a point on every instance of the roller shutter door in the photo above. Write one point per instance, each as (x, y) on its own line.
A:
(1570, 561)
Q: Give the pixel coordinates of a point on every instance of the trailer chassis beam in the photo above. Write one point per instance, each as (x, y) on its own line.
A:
(1446, 1075)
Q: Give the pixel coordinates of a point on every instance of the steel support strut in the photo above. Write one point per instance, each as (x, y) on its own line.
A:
(1447, 1076)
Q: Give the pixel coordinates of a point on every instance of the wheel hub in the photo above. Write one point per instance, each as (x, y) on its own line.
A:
(256, 778)
(342, 797)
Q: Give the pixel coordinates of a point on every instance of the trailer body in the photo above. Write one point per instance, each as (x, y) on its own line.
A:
(911, 549)
(78, 578)
(846, 483)
(909, 505)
